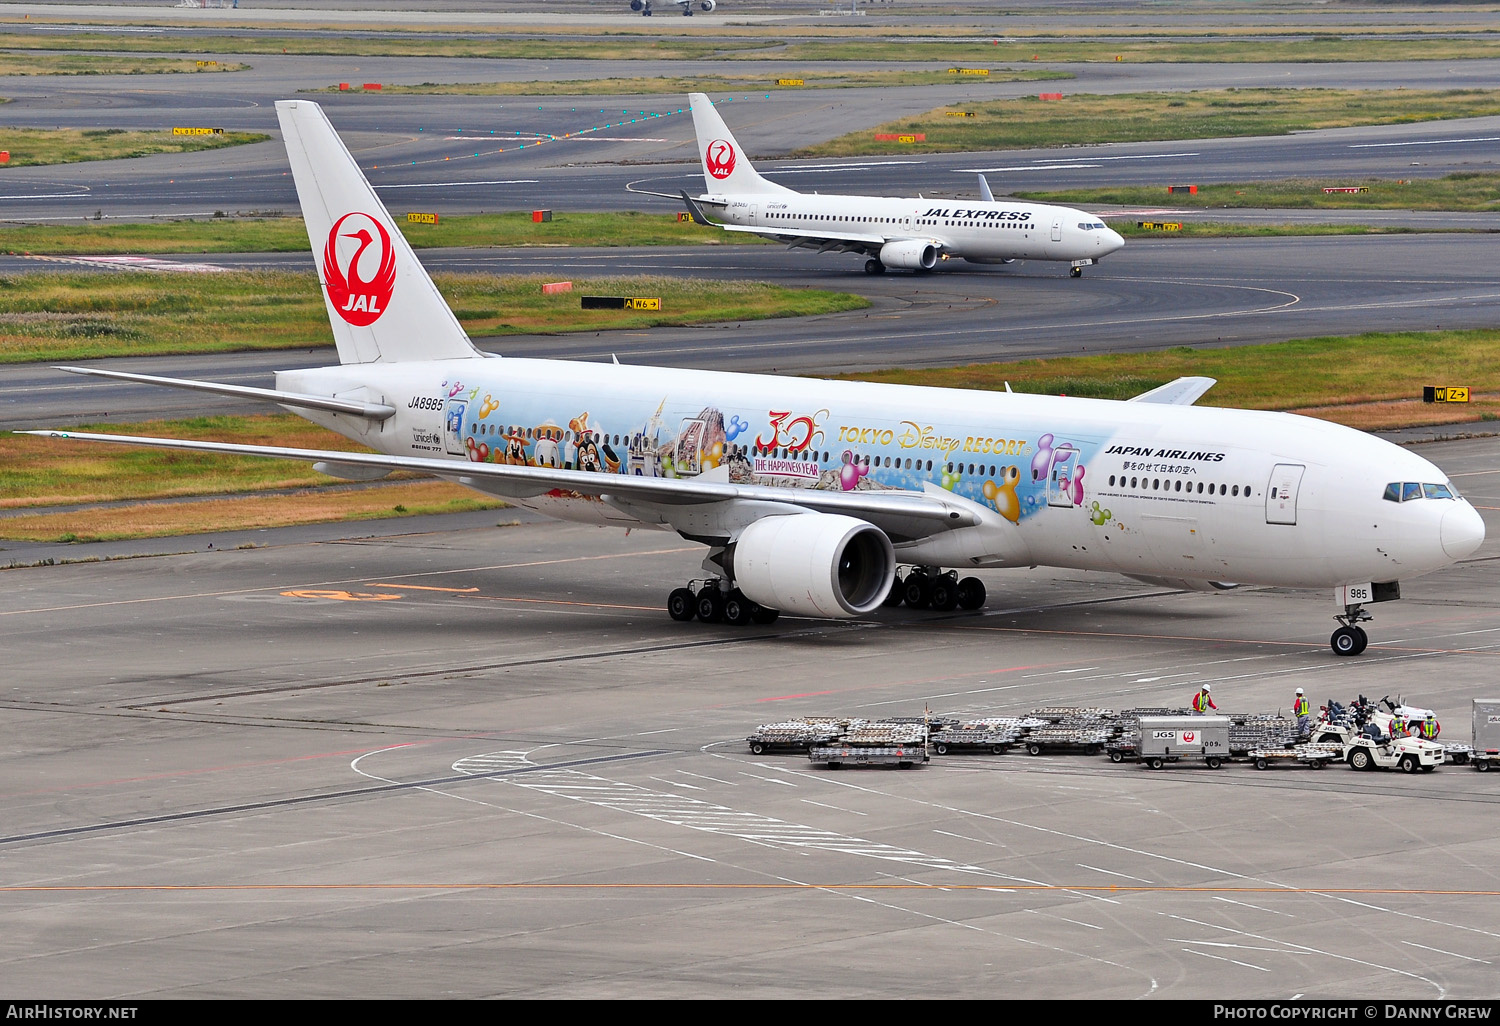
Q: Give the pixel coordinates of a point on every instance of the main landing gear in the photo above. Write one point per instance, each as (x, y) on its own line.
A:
(1350, 639)
(873, 266)
(715, 601)
(929, 588)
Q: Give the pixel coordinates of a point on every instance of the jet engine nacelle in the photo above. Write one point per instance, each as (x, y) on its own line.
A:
(815, 564)
(637, 5)
(910, 254)
(707, 5)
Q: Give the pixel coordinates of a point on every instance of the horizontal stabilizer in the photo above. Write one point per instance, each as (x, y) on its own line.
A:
(1181, 392)
(353, 407)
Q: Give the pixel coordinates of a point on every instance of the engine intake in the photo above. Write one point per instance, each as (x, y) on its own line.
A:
(707, 5)
(909, 254)
(815, 564)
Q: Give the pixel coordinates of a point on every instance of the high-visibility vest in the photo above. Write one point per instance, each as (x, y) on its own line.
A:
(1430, 728)
(1200, 702)
(1300, 707)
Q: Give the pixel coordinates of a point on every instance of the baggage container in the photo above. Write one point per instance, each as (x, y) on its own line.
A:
(1165, 739)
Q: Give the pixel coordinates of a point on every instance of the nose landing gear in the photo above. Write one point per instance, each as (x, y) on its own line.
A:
(1350, 639)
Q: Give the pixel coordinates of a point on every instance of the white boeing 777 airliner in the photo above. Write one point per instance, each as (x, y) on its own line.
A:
(809, 493)
(914, 234)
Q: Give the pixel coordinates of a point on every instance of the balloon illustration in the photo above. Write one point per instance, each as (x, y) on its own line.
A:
(734, 428)
(1041, 462)
(1077, 491)
(457, 387)
(951, 479)
(851, 471)
(1002, 494)
(1100, 517)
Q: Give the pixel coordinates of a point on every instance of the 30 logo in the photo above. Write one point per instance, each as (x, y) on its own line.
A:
(359, 300)
(719, 159)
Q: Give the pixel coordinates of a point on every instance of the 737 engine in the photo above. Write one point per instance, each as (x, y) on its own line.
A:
(815, 564)
(909, 254)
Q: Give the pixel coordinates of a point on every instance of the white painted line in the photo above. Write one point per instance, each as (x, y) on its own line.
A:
(1422, 142)
(1220, 958)
(835, 808)
(1020, 167)
(1440, 951)
(1108, 872)
(449, 185)
(1256, 907)
(976, 840)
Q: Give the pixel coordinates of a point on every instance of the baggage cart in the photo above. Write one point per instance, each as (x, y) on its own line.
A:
(1486, 753)
(1165, 739)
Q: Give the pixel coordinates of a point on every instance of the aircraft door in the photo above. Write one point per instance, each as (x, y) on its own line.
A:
(754, 214)
(453, 426)
(1281, 493)
(1056, 231)
(1060, 474)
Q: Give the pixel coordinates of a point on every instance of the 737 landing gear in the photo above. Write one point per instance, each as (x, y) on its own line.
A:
(1075, 272)
(712, 602)
(874, 266)
(1350, 639)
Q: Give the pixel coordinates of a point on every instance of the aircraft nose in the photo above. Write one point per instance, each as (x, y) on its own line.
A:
(1113, 241)
(1462, 531)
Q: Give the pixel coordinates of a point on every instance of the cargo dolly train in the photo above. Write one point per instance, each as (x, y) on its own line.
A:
(1360, 734)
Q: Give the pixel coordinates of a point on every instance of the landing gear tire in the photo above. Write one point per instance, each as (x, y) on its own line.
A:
(944, 595)
(917, 590)
(1075, 272)
(971, 593)
(873, 266)
(682, 605)
(763, 615)
(1348, 641)
(710, 605)
(738, 610)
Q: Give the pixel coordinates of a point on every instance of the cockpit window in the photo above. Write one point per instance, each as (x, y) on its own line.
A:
(1408, 491)
(1090, 226)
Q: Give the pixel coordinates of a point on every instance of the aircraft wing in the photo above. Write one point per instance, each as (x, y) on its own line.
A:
(1180, 392)
(796, 236)
(671, 501)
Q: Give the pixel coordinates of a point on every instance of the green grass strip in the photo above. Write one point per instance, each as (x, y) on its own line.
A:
(288, 235)
(88, 315)
(699, 83)
(1476, 191)
(1314, 373)
(30, 146)
(1077, 120)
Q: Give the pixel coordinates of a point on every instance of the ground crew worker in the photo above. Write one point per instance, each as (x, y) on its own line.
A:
(1203, 702)
(1430, 727)
(1301, 710)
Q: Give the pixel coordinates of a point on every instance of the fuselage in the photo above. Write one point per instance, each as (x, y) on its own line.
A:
(1191, 493)
(976, 230)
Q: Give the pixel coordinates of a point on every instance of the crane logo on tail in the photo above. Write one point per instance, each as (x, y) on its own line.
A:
(352, 245)
(719, 159)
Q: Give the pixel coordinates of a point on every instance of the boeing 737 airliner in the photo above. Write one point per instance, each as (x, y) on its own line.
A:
(914, 234)
(809, 495)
